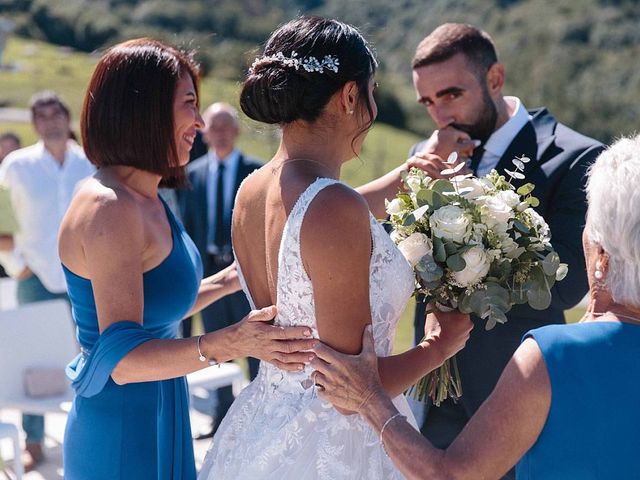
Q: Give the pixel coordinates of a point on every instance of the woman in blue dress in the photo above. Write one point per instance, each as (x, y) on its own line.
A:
(133, 274)
(566, 405)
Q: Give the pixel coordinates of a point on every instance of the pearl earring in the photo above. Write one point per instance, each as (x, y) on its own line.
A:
(598, 274)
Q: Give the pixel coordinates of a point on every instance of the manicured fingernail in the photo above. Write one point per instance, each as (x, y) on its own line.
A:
(310, 357)
(307, 333)
(300, 367)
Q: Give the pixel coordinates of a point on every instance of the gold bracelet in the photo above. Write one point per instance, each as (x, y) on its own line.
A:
(384, 425)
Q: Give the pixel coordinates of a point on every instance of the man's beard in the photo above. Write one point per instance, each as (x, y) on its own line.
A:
(485, 124)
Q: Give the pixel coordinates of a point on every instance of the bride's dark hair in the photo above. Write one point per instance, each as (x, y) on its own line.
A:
(274, 92)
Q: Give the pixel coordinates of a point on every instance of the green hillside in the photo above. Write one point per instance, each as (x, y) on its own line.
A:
(578, 57)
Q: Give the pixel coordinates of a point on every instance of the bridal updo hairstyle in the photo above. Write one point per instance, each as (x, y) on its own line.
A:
(127, 116)
(276, 93)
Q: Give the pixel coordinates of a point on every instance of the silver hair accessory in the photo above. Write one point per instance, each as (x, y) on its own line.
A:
(309, 64)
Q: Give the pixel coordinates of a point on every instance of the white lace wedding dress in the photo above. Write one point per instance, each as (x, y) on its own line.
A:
(278, 428)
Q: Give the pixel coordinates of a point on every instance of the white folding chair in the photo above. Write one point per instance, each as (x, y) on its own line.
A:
(39, 334)
(202, 382)
(8, 430)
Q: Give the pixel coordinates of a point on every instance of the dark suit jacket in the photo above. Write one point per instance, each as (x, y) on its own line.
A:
(559, 160)
(193, 203)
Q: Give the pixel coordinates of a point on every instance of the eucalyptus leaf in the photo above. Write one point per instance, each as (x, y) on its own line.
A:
(456, 263)
(561, 273)
(430, 197)
(539, 298)
(493, 297)
(524, 159)
(550, 263)
(518, 164)
(533, 201)
(516, 175)
(450, 247)
(419, 212)
(439, 252)
(495, 316)
(526, 189)
(521, 227)
(452, 158)
(442, 186)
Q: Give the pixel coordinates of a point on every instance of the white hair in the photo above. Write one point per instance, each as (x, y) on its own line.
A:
(613, 218)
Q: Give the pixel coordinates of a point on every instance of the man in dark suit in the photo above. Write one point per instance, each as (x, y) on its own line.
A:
(206, 213)
(458, 78)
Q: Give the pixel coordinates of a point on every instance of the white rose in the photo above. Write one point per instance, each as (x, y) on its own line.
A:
(476, 186)
(494, 211)
(414, 247)
(509, 197)
(450, 222)
(477, 267)
(510, 247)
(395, 206)
(539, 223)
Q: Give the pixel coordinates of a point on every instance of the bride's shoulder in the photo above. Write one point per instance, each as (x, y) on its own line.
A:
(337, 208)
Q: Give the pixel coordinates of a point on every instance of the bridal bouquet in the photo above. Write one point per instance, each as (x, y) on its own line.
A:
(476, 245)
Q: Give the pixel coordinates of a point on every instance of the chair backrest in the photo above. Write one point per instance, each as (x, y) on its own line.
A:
(8, 296)
(39, 334)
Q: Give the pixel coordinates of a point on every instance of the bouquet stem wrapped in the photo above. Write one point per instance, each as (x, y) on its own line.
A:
(476, 245)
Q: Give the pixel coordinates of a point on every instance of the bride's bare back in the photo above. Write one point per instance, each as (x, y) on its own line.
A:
(260, 214)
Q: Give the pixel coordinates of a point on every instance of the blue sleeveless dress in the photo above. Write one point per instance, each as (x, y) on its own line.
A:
(139, 430)
(593, 428)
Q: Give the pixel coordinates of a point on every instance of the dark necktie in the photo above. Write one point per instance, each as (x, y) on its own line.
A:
(474, 161)
(221, 236)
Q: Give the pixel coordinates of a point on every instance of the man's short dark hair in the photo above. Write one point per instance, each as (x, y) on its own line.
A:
(451, 39)
(10, 136)
(46, 98)
(127, 117)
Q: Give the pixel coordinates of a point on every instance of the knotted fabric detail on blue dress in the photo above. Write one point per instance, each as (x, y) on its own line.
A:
(90, 372)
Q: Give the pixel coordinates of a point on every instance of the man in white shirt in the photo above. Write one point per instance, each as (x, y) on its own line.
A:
(41, 179)
(458, 78)
(206, 213)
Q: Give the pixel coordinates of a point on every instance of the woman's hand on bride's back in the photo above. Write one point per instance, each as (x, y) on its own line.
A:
(447, 332)
(287, 348)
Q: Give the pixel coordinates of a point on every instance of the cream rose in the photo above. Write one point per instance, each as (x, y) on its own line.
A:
(509, 197)
(450, 222)
(477, 267)
(494, 210)
(414, 247)
(395, 206)
(477, 187)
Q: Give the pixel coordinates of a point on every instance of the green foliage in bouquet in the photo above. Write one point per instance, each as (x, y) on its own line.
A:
(476, 245)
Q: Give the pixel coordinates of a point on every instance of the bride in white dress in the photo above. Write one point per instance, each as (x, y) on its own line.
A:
(311, 245)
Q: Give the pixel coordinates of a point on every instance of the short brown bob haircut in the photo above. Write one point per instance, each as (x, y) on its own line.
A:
(450, 39)
(127, 116)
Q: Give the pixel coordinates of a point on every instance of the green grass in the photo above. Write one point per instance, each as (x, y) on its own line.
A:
(44, 66)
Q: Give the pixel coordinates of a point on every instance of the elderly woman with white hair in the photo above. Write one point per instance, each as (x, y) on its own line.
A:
(566, 405)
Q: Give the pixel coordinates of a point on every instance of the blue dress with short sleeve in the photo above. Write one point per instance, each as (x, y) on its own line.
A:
(137, 430)
(593, 427)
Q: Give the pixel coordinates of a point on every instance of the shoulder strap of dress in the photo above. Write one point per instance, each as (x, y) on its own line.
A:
(304, 200)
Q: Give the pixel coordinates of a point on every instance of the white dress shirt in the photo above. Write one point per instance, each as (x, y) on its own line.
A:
(500, 140)
(41, 190)
(231, 163)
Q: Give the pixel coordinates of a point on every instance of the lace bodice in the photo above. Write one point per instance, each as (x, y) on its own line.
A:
(278, 421)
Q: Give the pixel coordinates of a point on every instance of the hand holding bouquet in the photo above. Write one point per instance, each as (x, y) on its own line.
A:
(476, 245)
